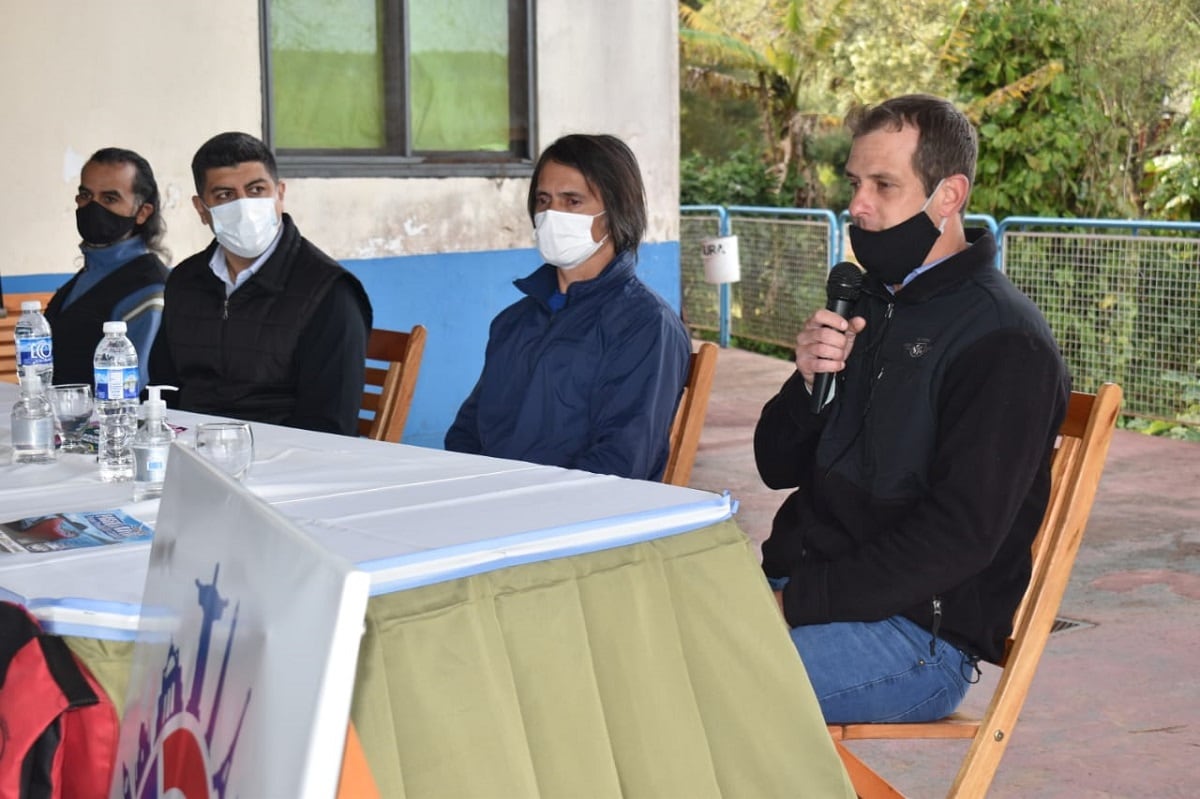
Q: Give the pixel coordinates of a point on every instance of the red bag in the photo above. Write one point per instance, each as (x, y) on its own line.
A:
(58, 728)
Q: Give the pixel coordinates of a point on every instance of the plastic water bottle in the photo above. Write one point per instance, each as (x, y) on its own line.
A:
(33, 424)
(116, 370)
(151, 446)
(35, 348)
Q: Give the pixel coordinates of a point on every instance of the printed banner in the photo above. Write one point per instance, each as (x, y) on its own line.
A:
(245, 660)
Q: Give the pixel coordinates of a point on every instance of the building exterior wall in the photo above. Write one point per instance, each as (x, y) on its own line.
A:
(160, 78)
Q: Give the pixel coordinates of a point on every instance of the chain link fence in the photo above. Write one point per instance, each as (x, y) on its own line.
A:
(784, 265)
(1125, 308)
(1123, 298)
(701, 302)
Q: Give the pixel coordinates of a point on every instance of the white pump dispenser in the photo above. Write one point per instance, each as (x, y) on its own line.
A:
(151, 446)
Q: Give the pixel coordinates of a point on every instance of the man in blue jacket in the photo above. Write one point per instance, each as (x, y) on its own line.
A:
(585, 371)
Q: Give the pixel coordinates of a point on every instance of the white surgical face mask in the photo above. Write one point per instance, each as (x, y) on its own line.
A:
(246, 227)
(565, 240)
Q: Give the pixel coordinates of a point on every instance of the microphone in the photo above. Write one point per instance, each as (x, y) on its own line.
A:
(845, 280)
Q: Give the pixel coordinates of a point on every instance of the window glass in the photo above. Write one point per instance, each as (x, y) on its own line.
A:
(459, 62)
(384, 86)
(328, 75)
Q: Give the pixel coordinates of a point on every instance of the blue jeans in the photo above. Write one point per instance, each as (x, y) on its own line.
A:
(881, 670)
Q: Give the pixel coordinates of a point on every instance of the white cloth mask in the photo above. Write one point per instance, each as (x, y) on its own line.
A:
(565, 240)
(246, 227)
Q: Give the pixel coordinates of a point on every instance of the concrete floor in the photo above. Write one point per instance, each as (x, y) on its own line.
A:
(1114, 710)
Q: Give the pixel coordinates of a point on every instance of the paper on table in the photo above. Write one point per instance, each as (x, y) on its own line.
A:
(62, 531)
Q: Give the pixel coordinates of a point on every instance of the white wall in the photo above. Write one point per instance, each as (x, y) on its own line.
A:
(155, 77)
(611, 66)
(161, 77)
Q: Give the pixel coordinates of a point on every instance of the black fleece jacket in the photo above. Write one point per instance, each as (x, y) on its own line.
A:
(922, 484)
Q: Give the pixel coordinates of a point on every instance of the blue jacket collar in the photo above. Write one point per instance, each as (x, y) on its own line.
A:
(114, 256)
(544, 282)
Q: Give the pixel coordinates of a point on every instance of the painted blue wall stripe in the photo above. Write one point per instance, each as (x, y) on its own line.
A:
(455, 295)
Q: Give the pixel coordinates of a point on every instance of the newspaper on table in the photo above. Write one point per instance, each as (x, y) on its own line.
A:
(62, 531)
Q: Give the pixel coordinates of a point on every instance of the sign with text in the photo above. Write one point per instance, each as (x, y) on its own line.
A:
(719, 254)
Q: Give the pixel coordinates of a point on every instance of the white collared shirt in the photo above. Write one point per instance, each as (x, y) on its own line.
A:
(220, 266)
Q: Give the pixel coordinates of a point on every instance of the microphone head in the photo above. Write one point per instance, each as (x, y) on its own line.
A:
(845, 281)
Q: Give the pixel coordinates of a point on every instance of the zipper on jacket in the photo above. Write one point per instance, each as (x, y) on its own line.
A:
(878, 373)
(937, 623)
(225, 310)
(877, 370)
(874, 375)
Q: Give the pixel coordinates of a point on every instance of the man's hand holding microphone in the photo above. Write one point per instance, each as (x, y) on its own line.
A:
(825, 341)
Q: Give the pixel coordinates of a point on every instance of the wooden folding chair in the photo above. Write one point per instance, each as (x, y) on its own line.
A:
(396, 382)
(1075, 475)
(689, 415)
(8, 347)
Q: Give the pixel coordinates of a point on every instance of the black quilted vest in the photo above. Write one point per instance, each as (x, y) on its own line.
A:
(237, 356)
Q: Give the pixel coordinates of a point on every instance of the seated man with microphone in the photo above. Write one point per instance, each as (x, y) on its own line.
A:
(917, 429)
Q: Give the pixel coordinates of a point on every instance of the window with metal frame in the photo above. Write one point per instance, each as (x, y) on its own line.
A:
(399, 87)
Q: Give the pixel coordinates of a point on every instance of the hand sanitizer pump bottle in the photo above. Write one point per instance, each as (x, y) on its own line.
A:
(151, 446)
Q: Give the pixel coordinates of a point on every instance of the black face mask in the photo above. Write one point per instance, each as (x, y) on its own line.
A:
(891, 254)
(100, 227)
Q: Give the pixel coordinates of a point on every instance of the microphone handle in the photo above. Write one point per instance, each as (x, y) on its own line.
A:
(823, 381)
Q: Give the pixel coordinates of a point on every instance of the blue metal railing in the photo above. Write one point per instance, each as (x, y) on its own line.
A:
(835, 240)
(725, 302)
(1122, 295)
(1134, 226)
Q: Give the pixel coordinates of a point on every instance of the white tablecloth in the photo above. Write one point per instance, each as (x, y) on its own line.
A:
(407, 515)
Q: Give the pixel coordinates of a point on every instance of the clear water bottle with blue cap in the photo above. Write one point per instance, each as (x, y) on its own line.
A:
(35, 347)
(116, 370)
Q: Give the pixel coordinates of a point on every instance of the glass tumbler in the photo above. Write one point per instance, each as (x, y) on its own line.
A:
(72, 406)
(228, 445)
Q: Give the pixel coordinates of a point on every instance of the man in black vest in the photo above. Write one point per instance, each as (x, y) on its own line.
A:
(260, 325)
(117, 215)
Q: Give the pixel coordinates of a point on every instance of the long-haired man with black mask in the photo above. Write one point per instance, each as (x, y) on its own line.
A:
(118, 216)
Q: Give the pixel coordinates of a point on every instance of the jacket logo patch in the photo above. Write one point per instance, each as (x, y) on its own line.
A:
(919, 348)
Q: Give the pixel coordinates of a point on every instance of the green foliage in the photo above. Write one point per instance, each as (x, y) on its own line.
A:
(1031, 149)
(1158, 427)
(1068, 95)
(716, 126)
(777, 54)
(1173, 181)
(763, 348)
(741, 178)
(1069, 100)
(1123, 308)
(1085, 108)
(1173, 177)
(888, 49)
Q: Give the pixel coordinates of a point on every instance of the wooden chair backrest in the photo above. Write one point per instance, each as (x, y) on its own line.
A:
(396, 382)
(689, 415)
(8, 347)
(1078, 463)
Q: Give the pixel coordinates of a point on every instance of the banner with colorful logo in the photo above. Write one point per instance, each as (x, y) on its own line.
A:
(247, 645)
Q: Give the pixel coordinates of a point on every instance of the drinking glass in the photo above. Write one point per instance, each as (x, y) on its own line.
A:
(72, 406)
(228, 445)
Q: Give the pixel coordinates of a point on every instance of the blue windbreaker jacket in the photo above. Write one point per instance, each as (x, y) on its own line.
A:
(593, 386)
